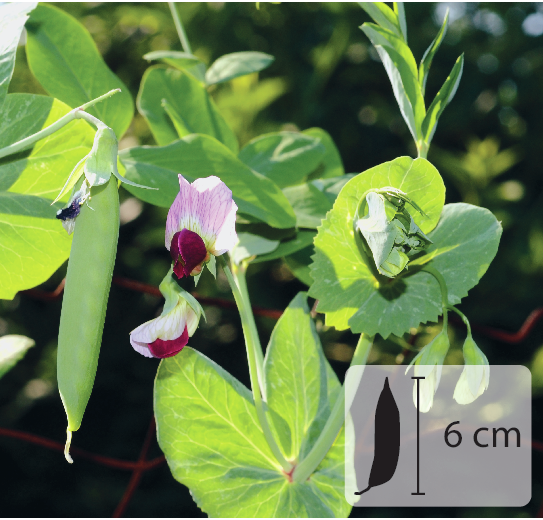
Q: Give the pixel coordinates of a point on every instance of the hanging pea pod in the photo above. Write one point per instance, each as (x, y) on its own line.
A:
(88, 280)
(387, 440)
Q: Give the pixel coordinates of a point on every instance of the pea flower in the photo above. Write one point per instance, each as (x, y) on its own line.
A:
(475, 376)
(200, 223)
(429, 364)
(166, 335)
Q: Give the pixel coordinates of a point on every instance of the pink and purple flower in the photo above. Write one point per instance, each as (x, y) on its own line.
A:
(200, 223)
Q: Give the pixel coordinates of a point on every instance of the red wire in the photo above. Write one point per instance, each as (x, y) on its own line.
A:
(77, 452)
(137, 473)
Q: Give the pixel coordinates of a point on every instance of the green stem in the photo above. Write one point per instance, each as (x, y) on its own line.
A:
(180, 30)
(89, 119)
(335, 421)
(444, 291)
(462, 315)
(422, 148)
(250, 343)
(51, 129)
(239, 273)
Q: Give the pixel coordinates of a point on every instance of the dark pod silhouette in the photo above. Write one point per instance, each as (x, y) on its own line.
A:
(387, 439)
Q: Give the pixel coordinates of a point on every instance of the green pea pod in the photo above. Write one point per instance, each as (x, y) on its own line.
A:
(88, 280)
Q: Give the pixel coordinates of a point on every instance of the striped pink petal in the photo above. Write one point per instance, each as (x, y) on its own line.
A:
(206, 208)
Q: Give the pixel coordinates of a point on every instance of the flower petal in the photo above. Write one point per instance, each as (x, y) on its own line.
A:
(191, 248)
(167, 348)
(206, 208)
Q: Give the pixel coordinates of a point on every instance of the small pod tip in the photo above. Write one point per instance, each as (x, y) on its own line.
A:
(363, 491)
(67, 447)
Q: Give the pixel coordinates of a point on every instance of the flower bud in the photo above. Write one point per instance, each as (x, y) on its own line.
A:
(475, 376)
(429, 364)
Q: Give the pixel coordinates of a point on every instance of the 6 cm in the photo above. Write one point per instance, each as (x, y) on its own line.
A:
(476, 439)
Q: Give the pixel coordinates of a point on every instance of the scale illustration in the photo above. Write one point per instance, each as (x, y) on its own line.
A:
(452, 455)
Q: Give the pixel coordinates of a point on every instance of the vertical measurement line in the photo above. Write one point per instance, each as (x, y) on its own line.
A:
(418, 437)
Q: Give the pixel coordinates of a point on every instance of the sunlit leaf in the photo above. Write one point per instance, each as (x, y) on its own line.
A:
(12, 20)
(187, 98)
(426, 61)
(401, 68)
(12, 349)
(383, 15)
(251, 245)
(34, 243)
(63, 57)
(237, 64)
(442, 99)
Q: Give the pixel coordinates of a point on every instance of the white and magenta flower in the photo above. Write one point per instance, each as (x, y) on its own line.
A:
(200, 223)
(166, 335)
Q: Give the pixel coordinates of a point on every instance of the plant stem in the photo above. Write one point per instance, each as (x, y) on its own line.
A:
(463, 316)
(180, 30)
(335, 421)
(57, 125)
(241, 281)
(90, 119)
(250, 343)
(444, 291)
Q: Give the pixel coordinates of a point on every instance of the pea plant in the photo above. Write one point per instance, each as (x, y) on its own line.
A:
(380, 251)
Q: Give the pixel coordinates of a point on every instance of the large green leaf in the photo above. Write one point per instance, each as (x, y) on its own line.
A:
(285, 157)
(12, 20)
(332, 165)
(299, 263)
(63, 57)
(188, 101)
(352, 294)
(402, 71)
(33, 242)
(12, 349)
(339, 268)
(237, 64)
(208, 429)
(197, 156)
(442, 99)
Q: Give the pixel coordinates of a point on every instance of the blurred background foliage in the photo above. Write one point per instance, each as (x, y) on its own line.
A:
(326, 74)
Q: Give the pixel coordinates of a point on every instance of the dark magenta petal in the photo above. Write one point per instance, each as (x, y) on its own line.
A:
(167, 348)
(188, 251)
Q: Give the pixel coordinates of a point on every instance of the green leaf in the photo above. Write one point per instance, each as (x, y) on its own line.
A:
(309, 203)
(289, 246)
(198, 156)
(383, 15)
(332, 165)
(63, 57)
(401, 68)
(208, 430)
(299, 263)
(12, 349)
(426, 61)
(13, 17)
(287, 158)
(35, 244)
(345, 278)
(176, 59)
(351, 295)
(237, 64)
(189, 103)
(442, 99)
(399, 9)
(251, 245)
